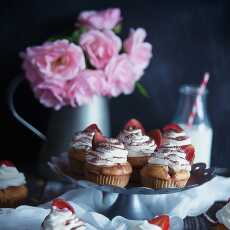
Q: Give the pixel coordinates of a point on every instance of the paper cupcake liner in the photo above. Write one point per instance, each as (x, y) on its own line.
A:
(220, 227)
(120, 181)
(13, 196)
(157, 183)
(10, 203)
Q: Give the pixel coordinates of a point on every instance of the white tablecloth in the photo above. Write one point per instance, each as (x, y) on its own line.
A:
(88, 202)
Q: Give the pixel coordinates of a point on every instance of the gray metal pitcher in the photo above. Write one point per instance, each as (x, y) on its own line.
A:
(63, 124)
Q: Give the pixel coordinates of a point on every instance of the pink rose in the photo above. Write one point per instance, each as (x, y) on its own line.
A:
(100, 46)
(59, 60)
(120, 76)
(105, 19)
(139, 52)
(31, 72)
(88, 83)
(51, 94)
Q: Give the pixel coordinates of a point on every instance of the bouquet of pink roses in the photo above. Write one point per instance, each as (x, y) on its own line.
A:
(93, 61)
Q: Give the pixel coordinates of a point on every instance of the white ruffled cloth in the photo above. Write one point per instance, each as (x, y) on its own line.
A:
(87, 202)
(31, 218)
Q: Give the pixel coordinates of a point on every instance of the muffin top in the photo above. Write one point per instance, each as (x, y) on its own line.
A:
(10, 176)
(223, 215)
(175, 136)
(62, 217)
(135, 141)
(106, 151)
(175, 150)
(173, 158)
(83, 139)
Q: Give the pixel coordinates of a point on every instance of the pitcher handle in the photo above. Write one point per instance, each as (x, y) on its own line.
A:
(10, 100)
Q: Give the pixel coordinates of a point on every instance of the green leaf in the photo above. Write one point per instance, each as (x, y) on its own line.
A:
(74, 37)
(56, 37)
(142, 90)
(117, 29)
(77, 34)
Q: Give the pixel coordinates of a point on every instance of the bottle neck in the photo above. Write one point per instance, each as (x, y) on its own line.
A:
(188, 95)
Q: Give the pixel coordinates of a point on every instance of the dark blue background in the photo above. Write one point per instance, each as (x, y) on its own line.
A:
(188, 38)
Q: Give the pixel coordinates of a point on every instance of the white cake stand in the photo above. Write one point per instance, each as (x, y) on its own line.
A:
(129, 203)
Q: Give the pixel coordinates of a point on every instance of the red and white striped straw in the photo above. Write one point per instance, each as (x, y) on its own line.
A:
(201, 91)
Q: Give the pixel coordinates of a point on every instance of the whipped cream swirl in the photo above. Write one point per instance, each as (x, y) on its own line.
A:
(10, 176)
(223, 215)
(147, 226)
(108, 153)
(175, 139)
(173, 158)
(62, 219)
(82, 140)
(137, 143)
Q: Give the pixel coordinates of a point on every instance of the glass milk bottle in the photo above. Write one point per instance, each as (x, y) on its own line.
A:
(201, 131)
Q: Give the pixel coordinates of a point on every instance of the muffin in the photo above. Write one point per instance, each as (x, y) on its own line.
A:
(13, 190)
(223, 217)
(157, 223)
(169, 167)
(173, 136)
(140, 146)
(81, 144)
(106, 163)
(62, 216)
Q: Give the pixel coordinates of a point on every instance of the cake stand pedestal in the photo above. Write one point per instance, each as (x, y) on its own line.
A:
(130, 207)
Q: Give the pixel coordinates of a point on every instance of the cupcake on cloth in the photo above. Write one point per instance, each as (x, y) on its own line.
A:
(140, 146)
(62, 217)
(81, 144)
(223, 217)
(107, 162)
(13, 190)
(157, 223)
(170, 165)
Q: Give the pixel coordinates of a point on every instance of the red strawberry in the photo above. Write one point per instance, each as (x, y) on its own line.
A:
(61, 204)
(190, 152)
(92, 128)
(98, 138)
(135, 124)
(162, 221)
(173, 127)
(156, 135)
(6, 163)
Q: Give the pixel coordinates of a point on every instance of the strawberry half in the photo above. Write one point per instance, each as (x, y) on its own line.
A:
(190, 152)
(6, 163)
(161, 221)
(98, 138)
(61, 204)
(92, 128)
(156, 135)
(173, 127)
(135, 124)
